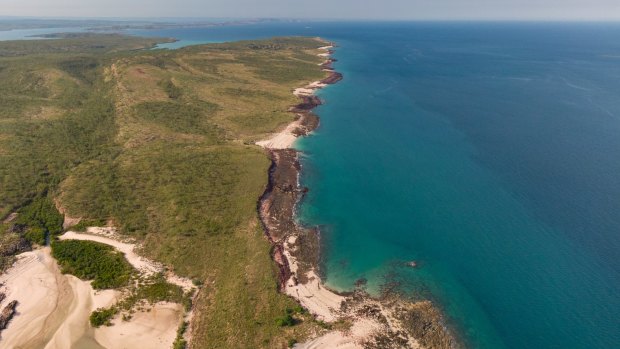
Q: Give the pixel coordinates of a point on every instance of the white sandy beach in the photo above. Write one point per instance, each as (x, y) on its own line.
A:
(282, 140)
(286, 138)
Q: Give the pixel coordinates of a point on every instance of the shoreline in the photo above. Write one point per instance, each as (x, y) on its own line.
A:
(387, 321)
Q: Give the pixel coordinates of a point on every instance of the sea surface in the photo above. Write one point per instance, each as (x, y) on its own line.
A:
(489, 153)
(36, 33)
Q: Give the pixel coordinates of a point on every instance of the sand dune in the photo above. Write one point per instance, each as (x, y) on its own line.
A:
(53, 308)
(153, 329)
(43, 296)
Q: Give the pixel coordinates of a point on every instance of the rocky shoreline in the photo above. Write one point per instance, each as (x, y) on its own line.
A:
(386, 322)
(277, 204)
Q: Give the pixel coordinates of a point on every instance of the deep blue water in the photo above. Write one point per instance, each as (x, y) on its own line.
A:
(487, 152)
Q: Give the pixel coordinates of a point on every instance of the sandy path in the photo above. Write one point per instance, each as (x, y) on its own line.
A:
(144, 265)
(140, 263)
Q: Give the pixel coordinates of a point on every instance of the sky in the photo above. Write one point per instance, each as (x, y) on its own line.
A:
(317, 9)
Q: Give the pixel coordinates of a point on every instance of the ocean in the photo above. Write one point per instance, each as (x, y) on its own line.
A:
(488, 153)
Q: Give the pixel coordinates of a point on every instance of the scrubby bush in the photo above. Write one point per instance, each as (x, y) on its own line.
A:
(285, 321)
(173, 91)
(35, 235)
(180, 342)
(102, 317)
(41, 218)
(90, 260)
(160, 290)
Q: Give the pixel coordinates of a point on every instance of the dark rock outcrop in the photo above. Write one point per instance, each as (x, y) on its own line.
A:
(276, 206)
(7, 314)
(333, 78)
(13, 244)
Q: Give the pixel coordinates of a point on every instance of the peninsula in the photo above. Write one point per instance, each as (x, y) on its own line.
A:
(129, 181)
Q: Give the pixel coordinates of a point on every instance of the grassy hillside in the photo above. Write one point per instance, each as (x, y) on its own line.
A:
(161, 144)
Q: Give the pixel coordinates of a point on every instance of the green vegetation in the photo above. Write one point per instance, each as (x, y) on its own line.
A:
(154, 289)
(173, 91)
(149, 290)
(286, 320)
(85, 223)
(90, 260)
(180, 342)
(180, 117)
(40, 218)
(158, 142)
(77, 43)
(102, 317)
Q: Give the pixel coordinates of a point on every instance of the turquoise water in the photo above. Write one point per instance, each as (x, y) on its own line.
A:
(34, 34)
(489, 153)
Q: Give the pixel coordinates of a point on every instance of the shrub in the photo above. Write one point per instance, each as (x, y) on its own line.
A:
(42, 218)
(180, 342)
(160, 290)
(285, 321)
(35, 235)
(173, 91)
(102, 317)
(324, 324)
(187, 301)
(90, 260)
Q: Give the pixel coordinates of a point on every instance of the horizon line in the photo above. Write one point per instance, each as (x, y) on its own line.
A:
(312, 19)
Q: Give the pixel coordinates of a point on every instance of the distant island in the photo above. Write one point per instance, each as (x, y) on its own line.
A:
(109, 25)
